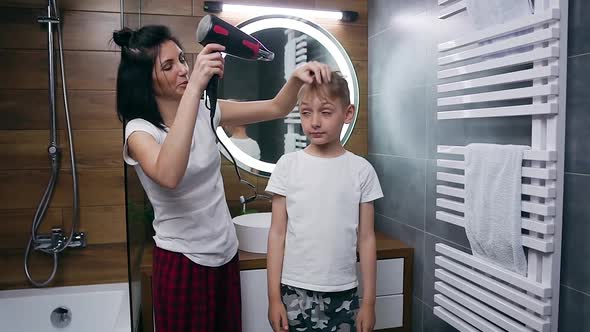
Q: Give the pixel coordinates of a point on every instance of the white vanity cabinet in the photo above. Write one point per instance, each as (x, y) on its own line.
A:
(389, 306)
(393, 288)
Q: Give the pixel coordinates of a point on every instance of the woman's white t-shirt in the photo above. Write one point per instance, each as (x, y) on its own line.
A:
(192, 219)
(323, 196)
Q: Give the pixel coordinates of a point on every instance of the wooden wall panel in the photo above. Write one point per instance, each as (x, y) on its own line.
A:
(15, 225)
(25, 149)
(24, 69)
(167, 7)
(28, 69)
(102, 224)
(362, 74)
(89, 30)
(98, 187)
(30, 35)
(98, 149)
(91, 5)
(65, 5)
(91, 70)
(24, 109)
(91, 265)
(29, 110)
(91, 109)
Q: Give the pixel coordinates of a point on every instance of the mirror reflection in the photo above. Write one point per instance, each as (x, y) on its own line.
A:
(294, 42)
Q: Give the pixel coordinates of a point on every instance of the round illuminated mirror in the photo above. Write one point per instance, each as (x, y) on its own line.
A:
(257, 147)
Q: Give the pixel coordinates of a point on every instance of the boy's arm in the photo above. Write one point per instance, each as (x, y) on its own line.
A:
(368, 257)
(274, 263)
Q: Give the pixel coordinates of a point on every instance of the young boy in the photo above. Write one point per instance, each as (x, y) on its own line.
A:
(322, 204)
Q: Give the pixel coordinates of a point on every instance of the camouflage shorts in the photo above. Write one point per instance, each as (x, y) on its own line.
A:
(320, 311)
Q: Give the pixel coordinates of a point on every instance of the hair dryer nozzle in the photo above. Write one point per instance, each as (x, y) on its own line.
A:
(212, 29)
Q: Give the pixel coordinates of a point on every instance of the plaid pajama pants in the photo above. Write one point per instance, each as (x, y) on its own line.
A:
(189, 297)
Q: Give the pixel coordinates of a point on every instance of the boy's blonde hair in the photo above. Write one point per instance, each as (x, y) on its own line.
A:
(337, 88)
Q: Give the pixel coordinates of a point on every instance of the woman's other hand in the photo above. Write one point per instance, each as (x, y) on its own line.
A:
(313, 72)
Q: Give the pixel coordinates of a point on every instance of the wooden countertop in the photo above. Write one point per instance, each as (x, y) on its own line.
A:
(386, 248)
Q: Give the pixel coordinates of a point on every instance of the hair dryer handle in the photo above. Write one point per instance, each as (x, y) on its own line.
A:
(211, 92)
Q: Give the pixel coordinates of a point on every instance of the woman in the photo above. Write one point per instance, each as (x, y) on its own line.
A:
(169, 141)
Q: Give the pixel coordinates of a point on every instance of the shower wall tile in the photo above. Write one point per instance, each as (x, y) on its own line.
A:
(578, 25)
(577, 140)
(576, 229)
(381, 13)
(574, 307)
(417, 314)
(403, 182)
(400, 123)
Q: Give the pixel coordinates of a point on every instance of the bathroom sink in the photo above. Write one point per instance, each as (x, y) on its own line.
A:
(252, 230)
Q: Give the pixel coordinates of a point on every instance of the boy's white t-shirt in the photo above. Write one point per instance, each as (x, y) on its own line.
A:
(323, 196)
(192, 219)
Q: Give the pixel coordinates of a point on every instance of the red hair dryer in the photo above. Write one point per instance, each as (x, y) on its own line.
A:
(212, 29)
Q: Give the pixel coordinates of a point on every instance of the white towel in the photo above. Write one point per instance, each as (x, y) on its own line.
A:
(486, 13)
(493, 204)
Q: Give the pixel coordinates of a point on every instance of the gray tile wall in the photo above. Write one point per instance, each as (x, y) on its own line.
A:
(404, 132)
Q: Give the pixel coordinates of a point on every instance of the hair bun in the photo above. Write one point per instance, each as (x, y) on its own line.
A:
(122, 37)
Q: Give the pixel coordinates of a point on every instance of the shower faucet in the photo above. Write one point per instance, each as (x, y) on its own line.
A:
(256, 196)
(50, 242)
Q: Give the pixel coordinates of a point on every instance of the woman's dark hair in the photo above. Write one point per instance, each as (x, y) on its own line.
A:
(135, 92)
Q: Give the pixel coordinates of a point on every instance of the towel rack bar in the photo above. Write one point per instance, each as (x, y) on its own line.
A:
(537, 109)
(527, 172)
(546, 227)
(451, 205)
(529, 207)
(481, 309)
(512, 77)
(507, 61)
(541, 245)
(541, 155)
(453, 320)
(492, 300)
(465, 314)
(443, 2)
(533, 190)
(510, 94)
(529, 39)
(448, 177)
(515, 279)
(502, 289)
(500, 30)
(453, 9)
(526, 189)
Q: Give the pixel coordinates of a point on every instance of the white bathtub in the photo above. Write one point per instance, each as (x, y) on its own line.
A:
(93, 308)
